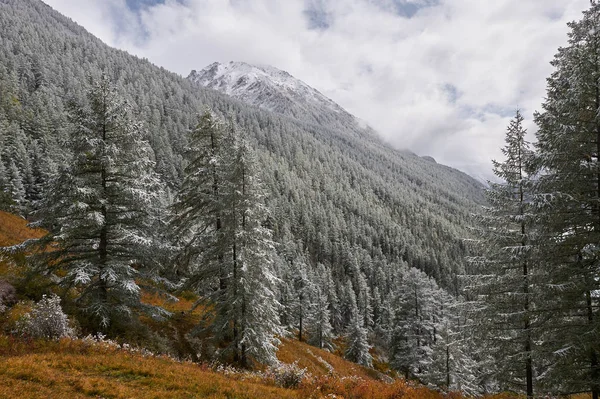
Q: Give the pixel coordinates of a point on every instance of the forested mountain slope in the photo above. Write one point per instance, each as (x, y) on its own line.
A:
(345, 195)
(365, 235)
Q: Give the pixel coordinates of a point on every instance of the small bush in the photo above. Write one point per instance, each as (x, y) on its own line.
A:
(45, 320)
(287, 375)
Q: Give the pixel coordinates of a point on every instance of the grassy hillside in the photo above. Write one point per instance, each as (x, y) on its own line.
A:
(84, 369)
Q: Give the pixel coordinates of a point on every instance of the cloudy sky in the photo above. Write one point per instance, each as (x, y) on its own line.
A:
(439, 77)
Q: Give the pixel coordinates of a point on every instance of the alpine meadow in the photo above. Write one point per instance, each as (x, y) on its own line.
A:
(236, 233)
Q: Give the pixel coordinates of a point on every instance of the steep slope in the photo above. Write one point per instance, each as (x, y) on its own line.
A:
(273, 90)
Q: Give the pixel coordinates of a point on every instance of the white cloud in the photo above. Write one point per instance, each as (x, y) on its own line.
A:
(441, 83)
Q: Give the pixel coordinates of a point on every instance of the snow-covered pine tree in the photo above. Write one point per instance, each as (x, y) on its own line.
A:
(413, 325)
(252, 307)
(453, 366)
(357, 337)
(16, 189)
(99, 212)
(5, 197)
(568, 196)
(305, 290)
(198, 208)
(505, 280)
(319, 325)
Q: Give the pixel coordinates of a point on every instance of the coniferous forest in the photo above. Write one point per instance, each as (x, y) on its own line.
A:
(280, 225)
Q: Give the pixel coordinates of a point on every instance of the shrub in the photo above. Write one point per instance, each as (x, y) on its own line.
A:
(46, 320)
(287, 375)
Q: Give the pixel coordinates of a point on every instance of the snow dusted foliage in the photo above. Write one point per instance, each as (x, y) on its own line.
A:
(453, 360)
(45, 320)
(320, 331)
(228, 253)
(507, 282)
(568, 198)
(101, 212)
(357, 339)
(414, 324)
(251, 281)
(198, 209)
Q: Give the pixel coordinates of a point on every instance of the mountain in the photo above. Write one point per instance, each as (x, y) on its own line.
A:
(338, 190)
(273, 90)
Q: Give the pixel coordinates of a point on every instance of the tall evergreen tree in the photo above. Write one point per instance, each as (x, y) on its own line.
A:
(228, 253)
(413, 325)
(357, 338)
(568, 197)
(100, 213)
(319, 326)
(251, 298)
(198, 209)
(16, 189)
(506, 281)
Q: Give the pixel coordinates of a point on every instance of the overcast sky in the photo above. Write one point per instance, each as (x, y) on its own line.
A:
(438, 77)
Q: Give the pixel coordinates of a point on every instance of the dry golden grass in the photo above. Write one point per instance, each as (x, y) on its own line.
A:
(14, 230)
(72, 369)
(308, 356)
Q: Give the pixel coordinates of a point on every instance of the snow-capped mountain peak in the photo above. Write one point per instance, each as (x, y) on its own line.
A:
(272, 89)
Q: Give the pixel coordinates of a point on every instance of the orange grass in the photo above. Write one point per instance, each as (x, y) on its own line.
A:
(14, 230)
(307, 357)
(72, 369)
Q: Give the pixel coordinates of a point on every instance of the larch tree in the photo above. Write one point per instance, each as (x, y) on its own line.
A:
(16, 189)
(357, 336)
(506, 280)
(413, 330)
(198, 208)
(252, 307)
(227, 253)
(100, 213)
(319, 325)
(568, 200)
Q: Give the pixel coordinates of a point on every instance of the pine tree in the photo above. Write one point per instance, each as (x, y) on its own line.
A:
(99, 213)
(253, 308)
(320, 329)
(357, 338)
(568, 196)
(198, 210)
(413, 325)
(5, 197)
(228, 253)
(453, 365)
(16, 189)
(305, 290)
(506, 280)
